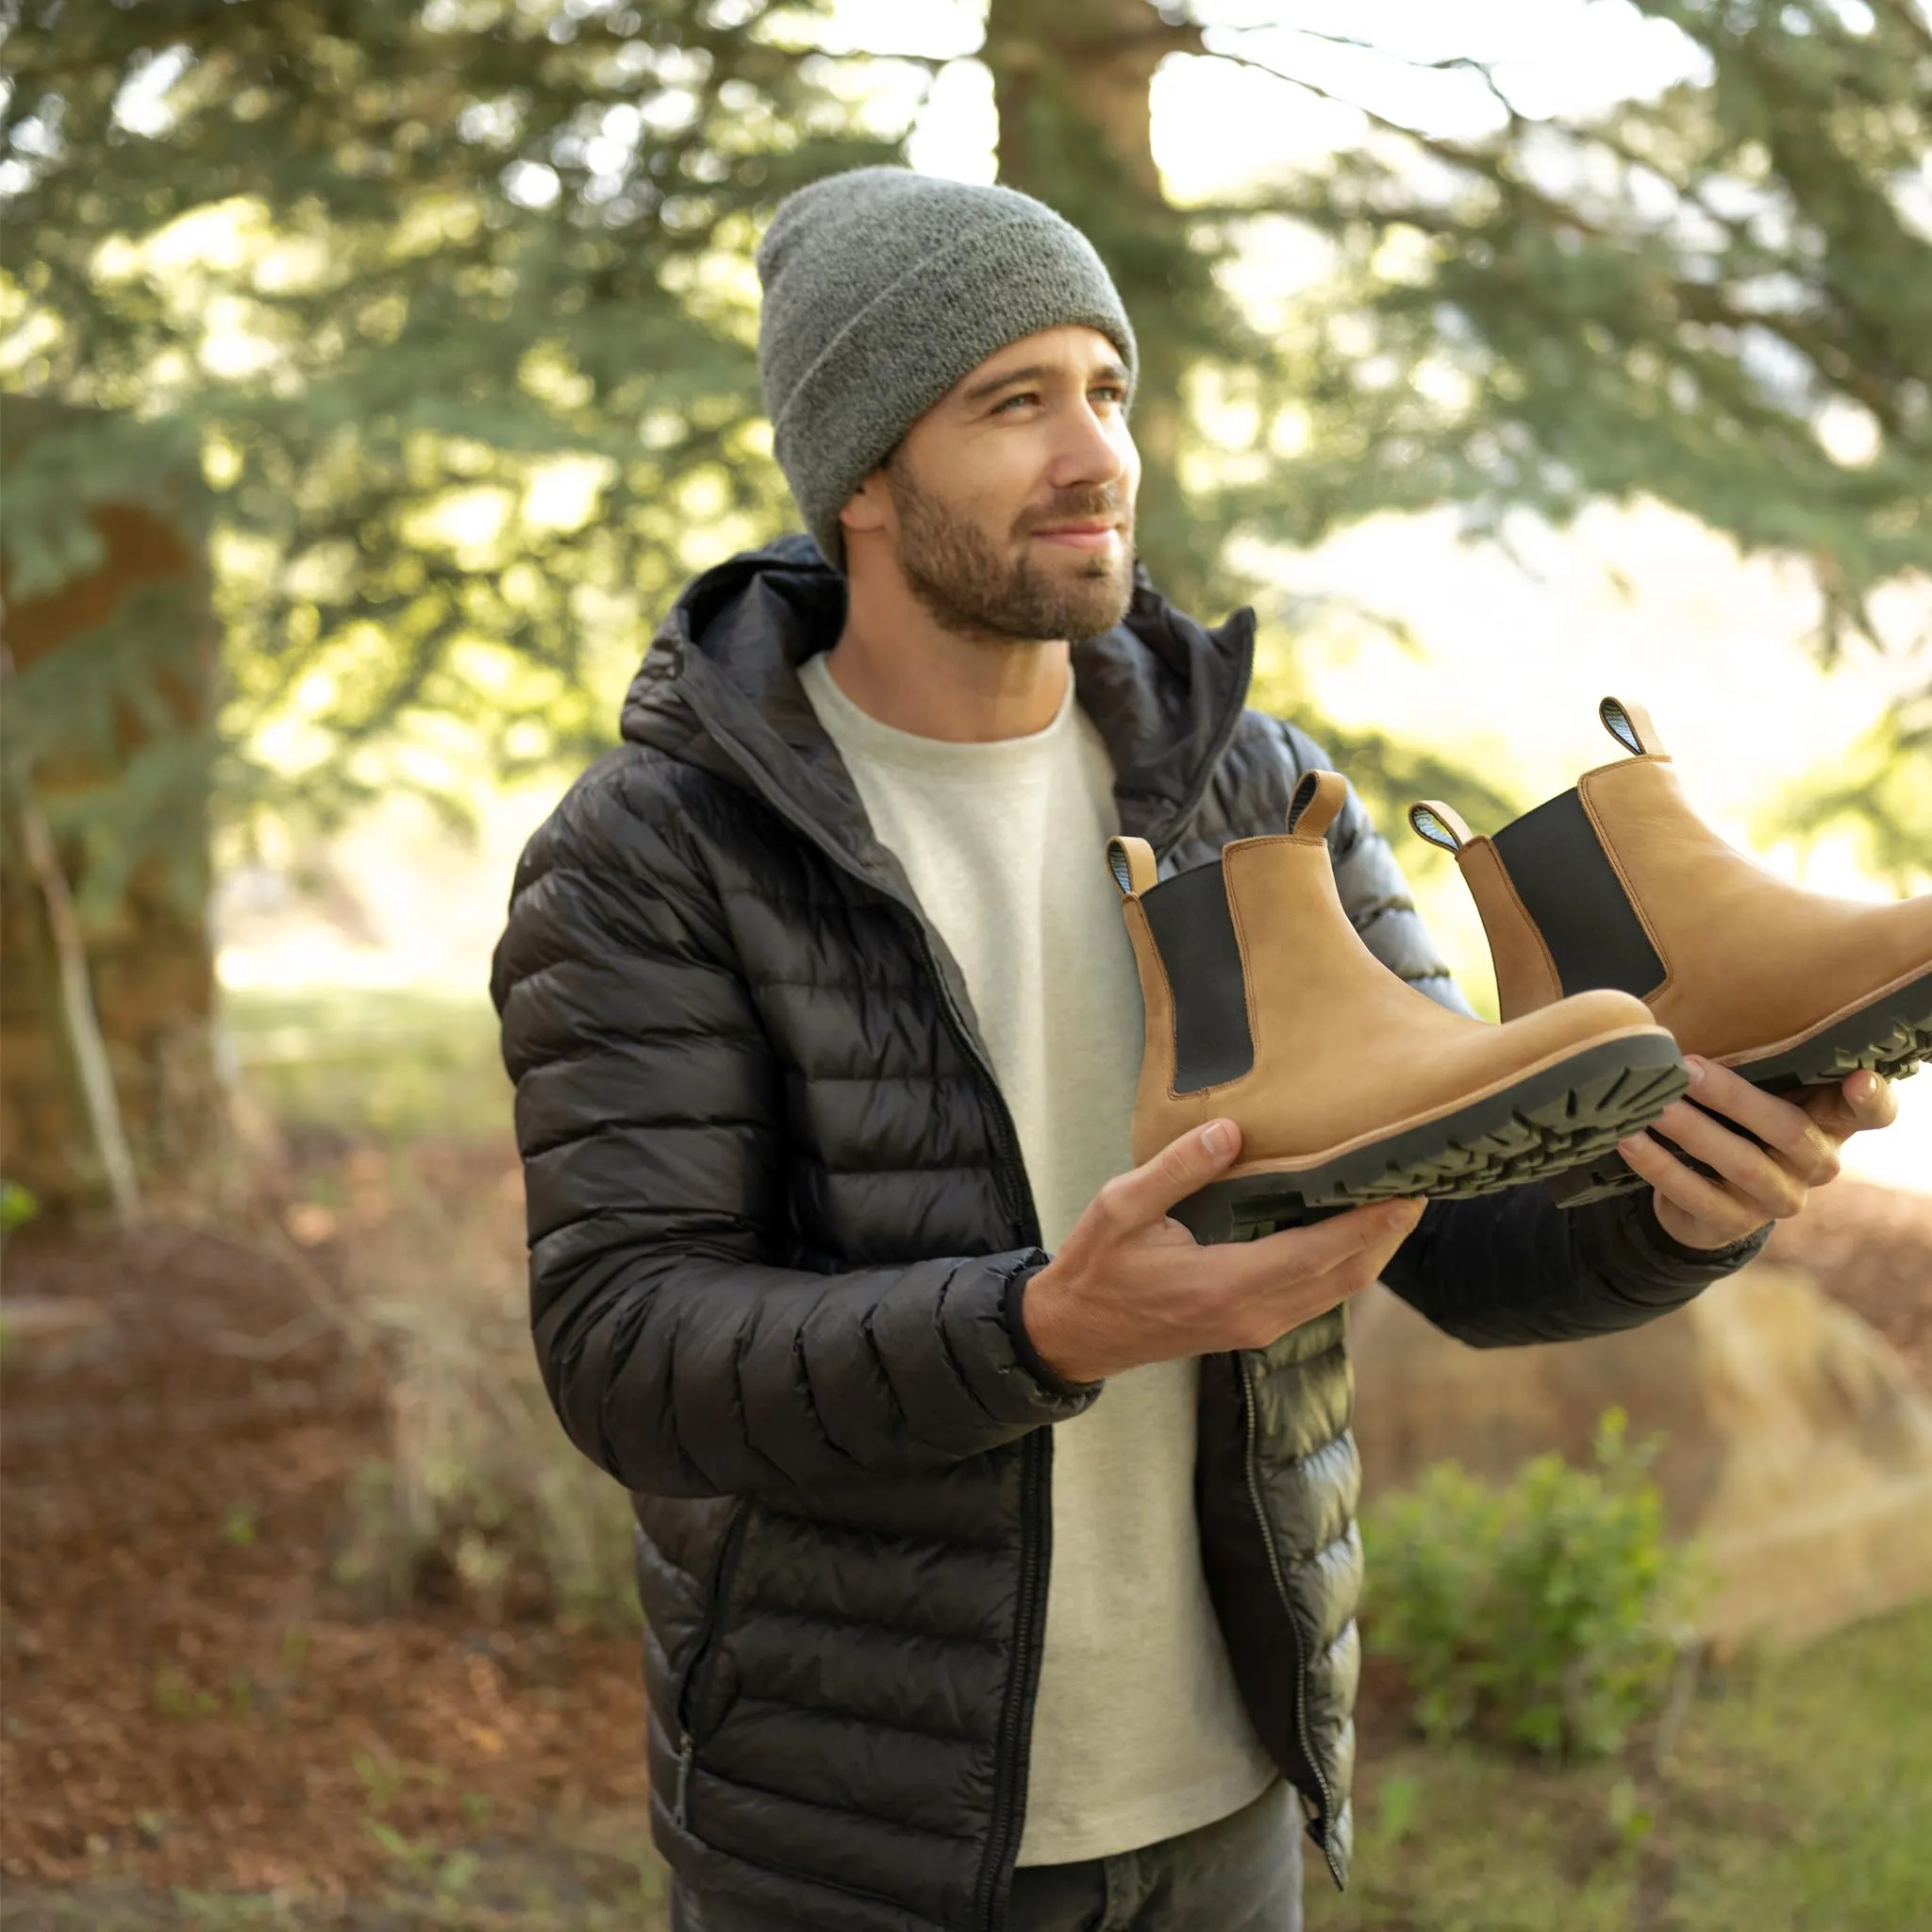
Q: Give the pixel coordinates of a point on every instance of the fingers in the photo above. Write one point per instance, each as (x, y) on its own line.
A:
(1799, 1140)
(1699, 1212)
(1283, 1277)
(1767, 1152)
(1143, 1194)
(1760, 1175)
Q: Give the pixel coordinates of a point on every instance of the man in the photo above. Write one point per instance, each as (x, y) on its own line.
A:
(983, 1589)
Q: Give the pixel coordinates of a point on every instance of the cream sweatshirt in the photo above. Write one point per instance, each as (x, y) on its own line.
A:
(1139, 1733)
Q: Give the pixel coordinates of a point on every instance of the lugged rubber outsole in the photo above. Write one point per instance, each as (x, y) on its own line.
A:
(1891, 1037)
(1550, 1119)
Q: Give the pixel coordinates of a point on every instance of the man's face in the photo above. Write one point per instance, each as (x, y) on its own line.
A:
(1010, 502)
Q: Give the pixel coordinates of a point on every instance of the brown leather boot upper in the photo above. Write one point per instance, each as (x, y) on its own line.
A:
(1345, 1051)
(1750, 965)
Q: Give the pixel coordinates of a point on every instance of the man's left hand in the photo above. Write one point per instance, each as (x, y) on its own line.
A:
(1755, 1184)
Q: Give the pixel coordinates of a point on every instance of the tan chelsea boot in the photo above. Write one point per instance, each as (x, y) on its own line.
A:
(1618, 884)
(1263, 1005)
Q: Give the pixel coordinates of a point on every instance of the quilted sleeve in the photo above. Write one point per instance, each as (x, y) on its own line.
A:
(1512, 1268)
(649, 1116)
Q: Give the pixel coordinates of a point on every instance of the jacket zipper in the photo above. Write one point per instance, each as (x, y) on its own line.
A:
(1030, 1599)
(1253, 1467)
(707, 1637)
(1030, 1596)
(1029, 1616)
(1029, 1605)
(1012, 1168)
(1198, 791)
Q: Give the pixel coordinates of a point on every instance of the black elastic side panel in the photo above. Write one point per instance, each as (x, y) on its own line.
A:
(1194, 930)
(1571, 889)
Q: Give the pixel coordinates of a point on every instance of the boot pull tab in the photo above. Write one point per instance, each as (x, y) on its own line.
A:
(1131, 861)
(1317, 799)
(1630, 726)
(1440, 825)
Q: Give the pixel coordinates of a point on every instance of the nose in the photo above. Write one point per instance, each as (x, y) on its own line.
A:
(1090, 450)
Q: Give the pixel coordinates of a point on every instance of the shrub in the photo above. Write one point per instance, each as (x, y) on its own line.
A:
(17, 1206)
(480, 1482)
(1550, 1612)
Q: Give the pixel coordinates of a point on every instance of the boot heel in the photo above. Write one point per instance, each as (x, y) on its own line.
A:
(1599, 1180)
(1244, 1211)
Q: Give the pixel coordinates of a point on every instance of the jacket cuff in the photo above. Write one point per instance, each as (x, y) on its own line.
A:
(1703, 1264)
(1024, 1353)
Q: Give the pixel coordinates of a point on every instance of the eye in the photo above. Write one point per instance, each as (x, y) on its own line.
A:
(1112, 390)
(1025, 396)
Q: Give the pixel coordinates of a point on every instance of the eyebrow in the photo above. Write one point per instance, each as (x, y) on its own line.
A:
(1107, 371)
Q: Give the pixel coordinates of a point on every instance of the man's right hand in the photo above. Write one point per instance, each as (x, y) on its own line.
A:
(1131, 1286)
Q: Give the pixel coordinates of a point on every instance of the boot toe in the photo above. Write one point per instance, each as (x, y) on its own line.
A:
(1579, 1019)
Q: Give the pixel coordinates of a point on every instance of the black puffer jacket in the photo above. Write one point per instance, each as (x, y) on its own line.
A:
(779, 1232)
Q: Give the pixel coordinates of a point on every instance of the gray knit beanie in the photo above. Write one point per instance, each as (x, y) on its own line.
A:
(882, 288)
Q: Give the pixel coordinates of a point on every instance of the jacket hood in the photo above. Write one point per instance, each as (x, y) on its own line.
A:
(718, 687)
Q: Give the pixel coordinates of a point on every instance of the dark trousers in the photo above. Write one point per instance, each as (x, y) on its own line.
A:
(1241, 1875)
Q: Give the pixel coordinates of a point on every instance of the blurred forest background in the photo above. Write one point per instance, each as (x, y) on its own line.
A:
(377, 372)
(372, 373)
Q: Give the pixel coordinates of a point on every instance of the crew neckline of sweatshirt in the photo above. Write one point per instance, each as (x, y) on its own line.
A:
(856, 730)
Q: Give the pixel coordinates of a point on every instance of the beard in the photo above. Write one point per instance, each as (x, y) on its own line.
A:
(974, 588)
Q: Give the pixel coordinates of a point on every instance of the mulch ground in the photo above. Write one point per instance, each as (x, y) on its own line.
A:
(190, 1700)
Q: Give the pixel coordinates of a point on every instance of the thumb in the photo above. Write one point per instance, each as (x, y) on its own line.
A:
(1192, 1160)
(1858, 1104)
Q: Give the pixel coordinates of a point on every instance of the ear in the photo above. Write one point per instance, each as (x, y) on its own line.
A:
(869, 506)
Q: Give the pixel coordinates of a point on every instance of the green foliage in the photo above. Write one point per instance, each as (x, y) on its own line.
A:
(1682, 297)
(17, 1206)
(386, 1064)
(1720, 296)
(448, 301)
(1547, 1610)
(108, 731)
(1798, 1797)
(1882, 789)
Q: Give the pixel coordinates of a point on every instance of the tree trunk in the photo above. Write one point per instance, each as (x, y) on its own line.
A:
(148, 962)
(1071, 84)
(80, 1022)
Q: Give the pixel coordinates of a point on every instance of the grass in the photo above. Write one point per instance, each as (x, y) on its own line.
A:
(1834, 1755)
(1799, 1797)
(391, 1063)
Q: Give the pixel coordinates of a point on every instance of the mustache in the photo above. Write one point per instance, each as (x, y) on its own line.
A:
(1078, 506)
